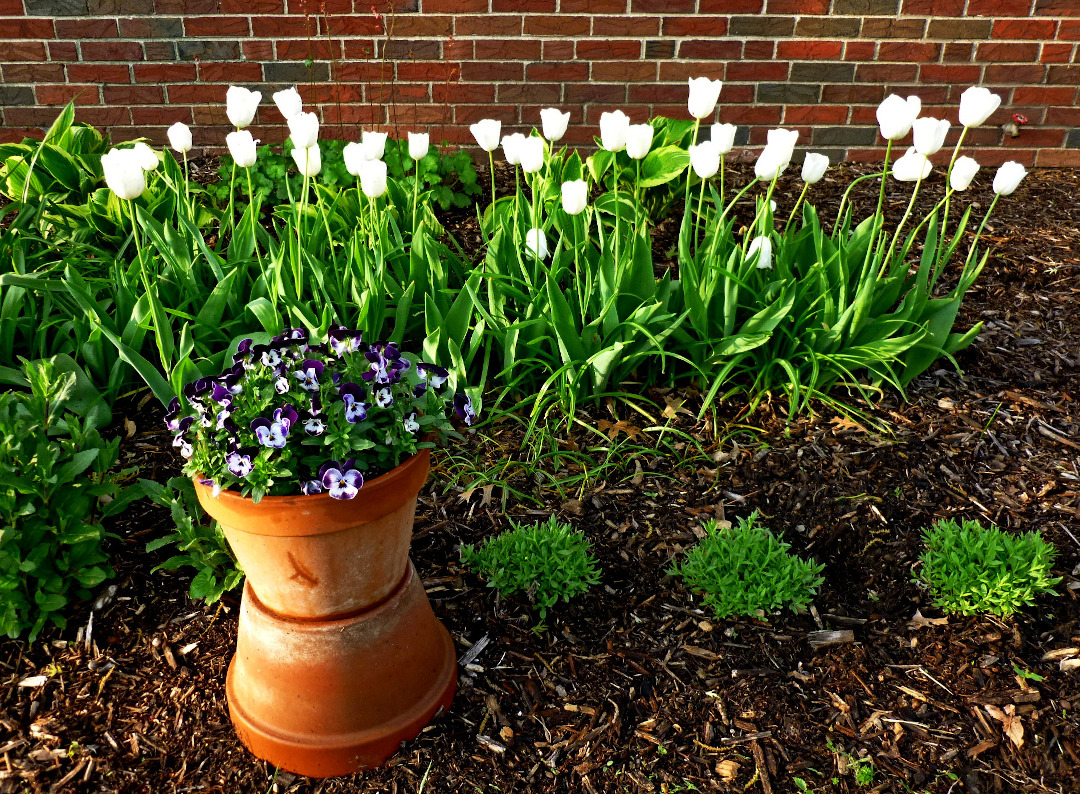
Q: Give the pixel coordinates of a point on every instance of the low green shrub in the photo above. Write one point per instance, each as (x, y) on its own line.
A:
(546, 561)
(55, 491)
(747, 570)
(201, 542)
(971, 569)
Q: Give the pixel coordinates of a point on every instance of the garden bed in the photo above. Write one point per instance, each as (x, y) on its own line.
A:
(633, 687)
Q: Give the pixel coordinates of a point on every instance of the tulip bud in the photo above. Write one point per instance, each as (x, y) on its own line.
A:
(976, 105)
(638, 140)
(308, 161)
(771, 162)
(762, 246)
(353, 153)
(486, 133)
(896, 115)
(928, 135)
(723, 135)
(531, 154)
(575, 196)
(373, 178)
(374, 144)
(554, 123)
(782, 143)
(1008, 176)
(148, 158)
(242, 148)
(180, 137)
(511, 145)
(289, 103)
(240, 105)
(536, 243)
(911, 167)
(705, 159)
(418, 145)
(124, 173)
(813, 168)
(613, 128)
(963, 171)
(703, 95)
(304, 130)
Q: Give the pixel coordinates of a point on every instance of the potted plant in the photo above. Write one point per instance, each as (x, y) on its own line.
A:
(311, 456)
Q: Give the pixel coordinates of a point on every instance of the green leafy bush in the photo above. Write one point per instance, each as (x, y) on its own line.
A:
(971, 569)
(54, 493)
(201, 544)
(746, 570)
(547, 561)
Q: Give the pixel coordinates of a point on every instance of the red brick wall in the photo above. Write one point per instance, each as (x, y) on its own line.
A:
(136, 66)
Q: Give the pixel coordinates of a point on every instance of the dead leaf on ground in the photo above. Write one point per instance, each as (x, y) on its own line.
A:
(918, 621)
(1010, 722)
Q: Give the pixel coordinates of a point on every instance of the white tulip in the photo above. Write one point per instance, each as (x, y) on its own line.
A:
(308, 161)
(911, 167)
(242, 148)
(723, 135)
(638, 140)
(536, 243)
(124, 173)
(1008, 176)
(419, 143)
(928, 134)
(575, 196)
(613, 127)
(353, 153)
(705, 159)
(487, 133)
(963, 171)
(373, 178)
(240, 105)
(771, 163)
(511, 145)
(554, 123)
(896, 115)
(762, 246)
(531, 154)
(374, 144)
(148, 158)
(814, 167)
(289, 103)
(304, 130)
(976, 105)
(703, 95)
(180, 137)
(782, 143)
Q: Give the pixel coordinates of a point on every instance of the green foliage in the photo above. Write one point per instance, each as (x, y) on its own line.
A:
(746, 570)
(546, 561)
(54, 493)
(972, 569)
(201, 543)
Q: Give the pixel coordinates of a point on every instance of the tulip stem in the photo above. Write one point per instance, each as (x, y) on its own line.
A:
(843, 201)
(254, 237)
(615, 173)
(879, 219)
(232, 181)
(415, 196)
(689, 170)
(948, 195)
(374, 217)
(791, 217)
(899, 228)
(697, 221)
(491, 171)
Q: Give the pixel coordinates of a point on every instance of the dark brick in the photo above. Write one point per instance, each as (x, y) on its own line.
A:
(160, 50)
(845, 135)
(1072, 141)
(1057, 8)
(295, 72)
(111, 51)
(151, 28)
(828, 27)
(33, 72)
(209, 50)
(119, 7)
(822, 72)
(952, 29)
(86, 29)
(410, 50)
(16, 95)
(711, 49)
(783, 93)
(659, 49)
(866, 7)
(55, 8)
(893, 28)
(762, 26)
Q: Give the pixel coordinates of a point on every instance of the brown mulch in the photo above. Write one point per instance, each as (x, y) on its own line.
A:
(632, 687)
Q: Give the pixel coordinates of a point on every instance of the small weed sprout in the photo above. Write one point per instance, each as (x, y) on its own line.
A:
(971, 569)
(746, 570)
(547, 561)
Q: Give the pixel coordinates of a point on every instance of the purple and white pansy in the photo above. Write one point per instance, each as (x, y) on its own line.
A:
(341, 480)
(239, 465)
(308, 374)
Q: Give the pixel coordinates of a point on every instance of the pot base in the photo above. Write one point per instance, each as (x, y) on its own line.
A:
(327, 698)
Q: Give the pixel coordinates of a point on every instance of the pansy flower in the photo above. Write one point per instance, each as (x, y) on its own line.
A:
(384, 398)
(411, 425)
(275, 433)
(308, 374)
(239, 465)
(341, 480)
(281, 385)
(463, 407)
(355, 407)
(311, 487)
(434, 375)
(341, 340)
(172, 415)
(315, 426)
(270, 357)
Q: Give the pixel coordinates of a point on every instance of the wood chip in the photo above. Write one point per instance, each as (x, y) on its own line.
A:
(819, 639)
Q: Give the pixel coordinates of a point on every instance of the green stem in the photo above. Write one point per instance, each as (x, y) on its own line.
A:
(232, 180)
(847, 193)
(491, 171)
(791, 217)
(415, 196)
(899, 228)
(697, 220)
(690, 171)
(948, 176)
(254, 237)
(615, 171)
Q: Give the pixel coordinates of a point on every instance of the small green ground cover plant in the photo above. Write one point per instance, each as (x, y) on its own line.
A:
(747, 570)
(548, 561)
(972, 569)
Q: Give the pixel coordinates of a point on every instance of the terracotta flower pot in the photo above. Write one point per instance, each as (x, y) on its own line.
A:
(339, 657)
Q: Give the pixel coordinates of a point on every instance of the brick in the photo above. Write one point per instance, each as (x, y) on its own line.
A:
(361, 49)
(681, 71)
(866, 7)
(438, 71)
(26, 116)
(815, 114)
(796, 6)
(470, 114)
(752, 114)
(455, 6)
(516, 93)
(458, 50)
(230, 72)
(608, 50)
(1015, 74)
(822, 72)
(759, 50)
(355, 25)
(785, 93)
(257, 50)
(415, 25)
(490, 71)
(325, 93)
(1073, 139)
(26, 29)
(226, 26)
(111, 51)
(271, 27)
(859, 51)
(119, 7)
(1024, 28)
(508, 50)
(589, 6)
(851, 94)
(642, 94)
(1057, 8)
(937, 73)
(295, 72)
(16, 95)
(1011, 52)
(951, 29)
(160, 50)
(21, 51)
(105, 116)
(893, 28)
(844, 136)
(16, 135)
(66, 51)
(534, 6)
(647, 26)
(360, 72)
(556, 25)
(577, 93)
(32, 73)
(689, 26)
(998, 8)
(55, 8)
(886, 73)
(762, 26)
(11, 8)
(662, 6)
(958, 51)
(1049, 158)
(456, 93)
(751, 72)
(711, 49)
(133, 94)
(410, 49)
(1055, 53)
(1040, 138)
(730, 6)
(501, 25)
(252, 7)
(934, 8)
(613, 71)
(558, 50)
(659, 49)
(1069, 30)
(820, 50)
(828, 27)
(557, 72)
(152, 28)
(908, 51)
(305, 49)
(86, 29)
(737, 94)
(160, 73)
